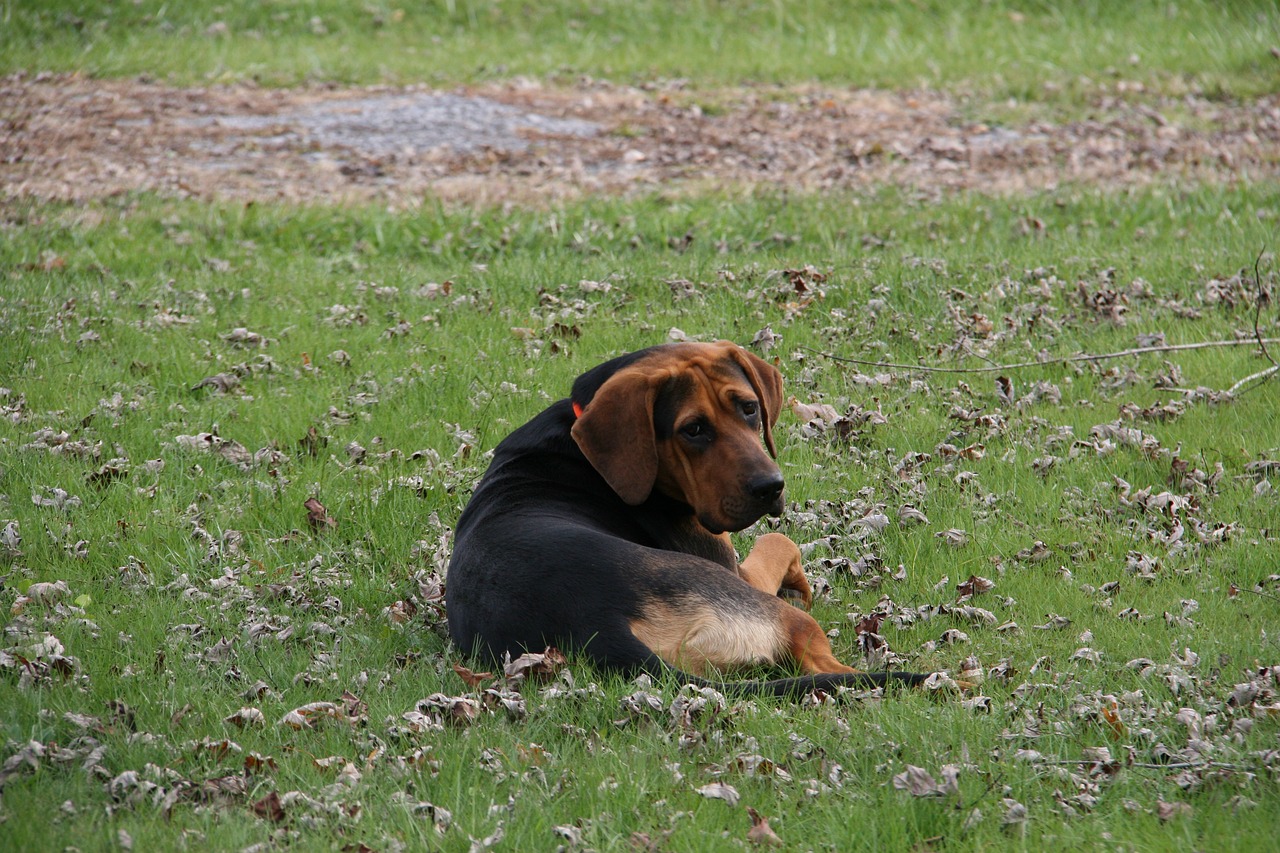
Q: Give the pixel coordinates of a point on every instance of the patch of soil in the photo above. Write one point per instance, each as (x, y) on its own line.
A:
(70, 138)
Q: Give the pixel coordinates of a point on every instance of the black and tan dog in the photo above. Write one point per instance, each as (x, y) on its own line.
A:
(603, 525)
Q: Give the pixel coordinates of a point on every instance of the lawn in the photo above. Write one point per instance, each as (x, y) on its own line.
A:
(235, 438)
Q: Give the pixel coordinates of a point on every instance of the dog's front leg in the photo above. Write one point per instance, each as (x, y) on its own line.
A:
(775, 564)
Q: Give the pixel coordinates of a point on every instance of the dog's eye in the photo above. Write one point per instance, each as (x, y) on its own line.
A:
(695, 430)
(749, 407)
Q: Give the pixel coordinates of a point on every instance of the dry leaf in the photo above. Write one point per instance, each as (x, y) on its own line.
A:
(720, 791)
(1015, 813)
(1168, 811)
(534, 667)
(918, 782)
(975, 585)
(318, 518)
(306, 716)
(269, 808)
(472, 679)
(457, 710)
(760, 832)
(246, 717)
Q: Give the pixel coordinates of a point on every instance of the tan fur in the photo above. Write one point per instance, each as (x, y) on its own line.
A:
(701, 640)
(775, 564)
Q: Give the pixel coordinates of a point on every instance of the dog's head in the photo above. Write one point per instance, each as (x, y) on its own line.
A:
(685, 420)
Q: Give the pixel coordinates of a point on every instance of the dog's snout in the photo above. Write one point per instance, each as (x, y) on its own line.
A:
(767, 488)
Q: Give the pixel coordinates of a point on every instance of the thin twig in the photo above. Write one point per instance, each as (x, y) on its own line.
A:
(1143, 765)
(1071, 359)
(1259, 593)
(992, 783)
(1261, 374)
(1257, 306)
(1257, 332)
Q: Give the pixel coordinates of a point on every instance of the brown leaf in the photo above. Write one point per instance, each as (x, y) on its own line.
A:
(870, 624)
(1111, 714)
(918, 782)
(472, 679)
(760, 833)
(26, 757)
(313, 442)
(1004, 390)
(458, 710)
(242, 337)
(1015, 813)
(269, 808)
(305, 716)
(720, 791)
(116, 469)
(354, 707)
(179, 714)
(246, 717)
(222, 383)
(975, 585)
(401, 612)
(318, 517)
(535, 667)
(1168, 811)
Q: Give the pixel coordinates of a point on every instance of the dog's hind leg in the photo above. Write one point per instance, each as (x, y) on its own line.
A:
(807, 644)
(775, 564)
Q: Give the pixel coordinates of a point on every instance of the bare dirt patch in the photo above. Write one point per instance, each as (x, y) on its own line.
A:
(69, 138)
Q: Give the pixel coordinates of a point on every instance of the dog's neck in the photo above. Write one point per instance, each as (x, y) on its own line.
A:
(676, 528)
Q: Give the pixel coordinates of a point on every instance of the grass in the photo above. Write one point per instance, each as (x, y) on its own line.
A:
(1026, 51)
(397, 348)
(157, 584)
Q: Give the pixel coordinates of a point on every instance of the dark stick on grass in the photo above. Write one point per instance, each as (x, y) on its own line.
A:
(1257, 305)
(1257, 335)
(1071, 359)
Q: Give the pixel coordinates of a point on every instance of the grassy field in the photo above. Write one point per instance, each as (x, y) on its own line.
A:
(192, 658)
(191, 586)
(1035, 50)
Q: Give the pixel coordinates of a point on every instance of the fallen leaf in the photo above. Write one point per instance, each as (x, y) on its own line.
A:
(458, 710)
(306, 716)
(318, 518)
(269, 808)
(760, 832)
(975, 585)
(720, 791)
(472, 679)
(534, 666)
(918, 782)
(246, 717)
(1168, 811)
(1015, 813)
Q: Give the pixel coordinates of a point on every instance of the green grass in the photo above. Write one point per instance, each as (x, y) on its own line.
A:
(127, 268)
(191, 583)
(1020, 50)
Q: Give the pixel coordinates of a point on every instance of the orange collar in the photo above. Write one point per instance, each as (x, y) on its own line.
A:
(577, 409)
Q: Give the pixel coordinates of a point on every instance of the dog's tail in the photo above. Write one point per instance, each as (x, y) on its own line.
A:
(789, 688)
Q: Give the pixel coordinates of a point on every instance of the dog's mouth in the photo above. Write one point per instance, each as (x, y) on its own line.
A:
(735, 515)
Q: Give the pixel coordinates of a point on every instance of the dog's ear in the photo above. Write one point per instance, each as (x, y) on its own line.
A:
(615, 432)
(766, 381)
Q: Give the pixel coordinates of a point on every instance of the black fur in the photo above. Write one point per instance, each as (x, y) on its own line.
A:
(547, 554)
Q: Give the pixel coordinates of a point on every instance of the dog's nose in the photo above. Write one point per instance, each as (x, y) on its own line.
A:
(766, 488)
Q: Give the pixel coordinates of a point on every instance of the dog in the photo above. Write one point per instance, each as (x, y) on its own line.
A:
(602, 526)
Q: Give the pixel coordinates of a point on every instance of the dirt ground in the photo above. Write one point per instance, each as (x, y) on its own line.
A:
(70, 138)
